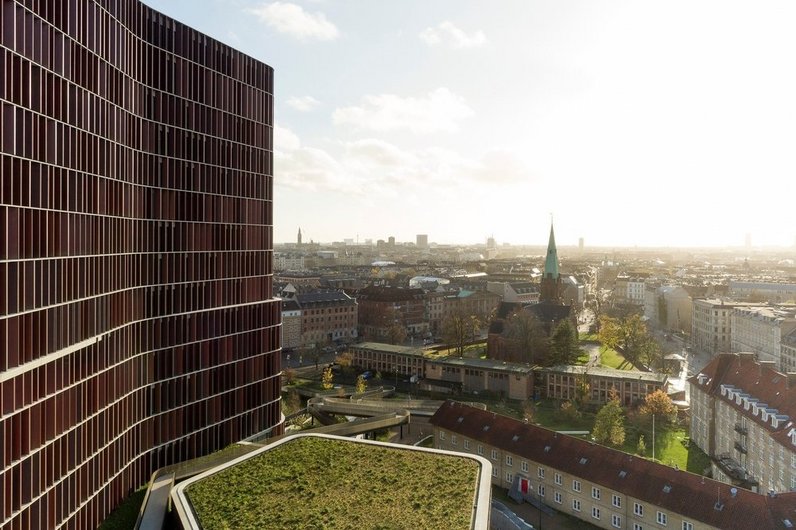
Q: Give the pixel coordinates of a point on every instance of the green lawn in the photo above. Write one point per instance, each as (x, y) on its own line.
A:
(611, 358)
(322, 483)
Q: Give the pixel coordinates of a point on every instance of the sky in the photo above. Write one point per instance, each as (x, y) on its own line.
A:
(631, 123)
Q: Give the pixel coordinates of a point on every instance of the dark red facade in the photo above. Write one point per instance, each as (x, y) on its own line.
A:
(137, 327)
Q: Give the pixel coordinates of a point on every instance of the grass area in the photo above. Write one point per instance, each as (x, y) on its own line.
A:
(291, 485)
(124, 517)
(611, 358)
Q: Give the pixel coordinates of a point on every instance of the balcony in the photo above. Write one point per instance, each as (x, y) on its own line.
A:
(741, 448)
(741, 429)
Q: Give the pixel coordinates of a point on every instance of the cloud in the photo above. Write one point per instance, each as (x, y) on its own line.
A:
(292, 20)
(448, 34)
(440, 110)
(303, 103)
(285, 140)
(376, 168)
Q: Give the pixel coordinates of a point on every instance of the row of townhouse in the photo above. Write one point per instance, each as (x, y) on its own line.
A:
(768, 331)
(599, 485)
(742, 416)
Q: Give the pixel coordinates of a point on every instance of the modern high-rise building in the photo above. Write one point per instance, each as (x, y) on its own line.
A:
(422, 241)
(137, 325)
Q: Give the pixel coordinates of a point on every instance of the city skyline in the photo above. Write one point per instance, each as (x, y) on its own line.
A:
(637, 125)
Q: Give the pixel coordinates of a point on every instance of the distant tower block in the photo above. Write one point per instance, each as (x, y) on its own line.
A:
(490, 242)
(391, 241)
(298, 239)
(422, 241)
(580, 244)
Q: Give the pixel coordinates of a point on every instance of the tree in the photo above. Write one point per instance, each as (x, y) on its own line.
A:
(564, 347)
(458, 327)
(361, 384)
(396, 333)
(582, 388)
(641, 447)
(528, 336)
(630, 336)
(327, 378)
(528, 411)
(609, 425)
(290, 375)
(569, 411)
(659, 404)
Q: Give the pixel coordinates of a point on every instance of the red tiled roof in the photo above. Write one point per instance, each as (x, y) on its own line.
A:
(690, 495)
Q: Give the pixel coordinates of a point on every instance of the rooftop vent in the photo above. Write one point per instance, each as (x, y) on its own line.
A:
(546, 448)
(733, 492)
(787, 523)
(486, 427)
(583, 460)
(667, 488)
(515, 438)
(461, 419)
(622, 474)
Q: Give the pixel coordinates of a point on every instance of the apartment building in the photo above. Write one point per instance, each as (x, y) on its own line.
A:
(604, 487)
(711, 325)
(291, 324)
(788, 350)
(327, 316)
(763, 291)
(137, 326)
(381, 308)
(742, 413)
(629, 290)
(759, 329)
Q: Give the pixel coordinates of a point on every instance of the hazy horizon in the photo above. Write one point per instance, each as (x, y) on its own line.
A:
(636, 124)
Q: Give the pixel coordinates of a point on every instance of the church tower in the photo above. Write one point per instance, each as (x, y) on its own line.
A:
(550, 288)
(298, 239)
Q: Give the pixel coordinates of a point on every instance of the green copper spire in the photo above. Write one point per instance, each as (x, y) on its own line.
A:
(551, 263)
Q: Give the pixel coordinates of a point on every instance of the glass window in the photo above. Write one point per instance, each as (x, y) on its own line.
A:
(638, 509)
(595, 493)
(576, 505)
(662, 518)
(616, 500)
(576, 485)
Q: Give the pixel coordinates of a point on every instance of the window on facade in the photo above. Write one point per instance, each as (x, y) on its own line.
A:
(467, 444)
(638, 509)
(480, 449)
(494, 454)
(576, 485)
(453, 439)
(541, 472)
(595, 493)
(616, 521)
(688, 526)
(494, 471)
(541, 490)
(616, 500)
(509, 477)
(441, 435)
(558, 478)
(557, 497)
(524, 466)
(637, 526)
(576, 505)
(509, 460)
(661, 518)
(595, 512)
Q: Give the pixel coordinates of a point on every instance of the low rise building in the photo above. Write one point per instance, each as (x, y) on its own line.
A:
(381, 308)
(604, 487)
(326, 316)
(515, 292)
(379, 357)
(510, 380)
(763, 291)
(631, 387)
(291, 324)
(742, 416)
